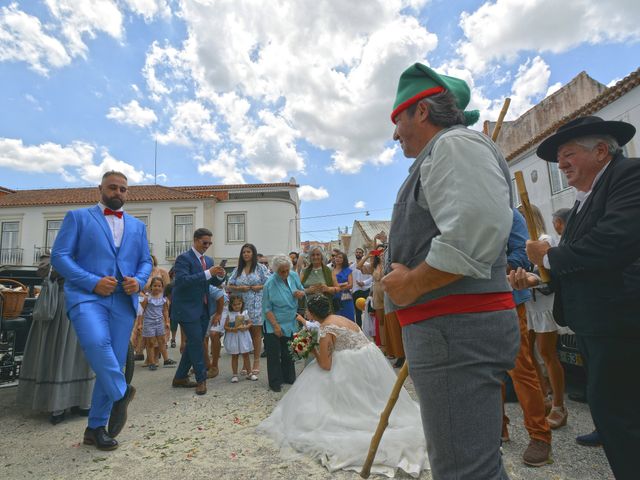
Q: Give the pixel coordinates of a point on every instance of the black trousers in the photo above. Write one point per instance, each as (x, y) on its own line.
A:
(280, 366)
(613, 393)
(356, 295)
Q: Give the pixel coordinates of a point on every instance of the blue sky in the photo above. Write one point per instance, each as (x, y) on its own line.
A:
(252, 91)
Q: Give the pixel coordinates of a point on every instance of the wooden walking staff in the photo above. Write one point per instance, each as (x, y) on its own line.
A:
(503, 112)
(384, 420)
(528, 215)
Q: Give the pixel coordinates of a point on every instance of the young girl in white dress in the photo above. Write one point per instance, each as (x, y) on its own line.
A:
(332, 410)
(237, 336)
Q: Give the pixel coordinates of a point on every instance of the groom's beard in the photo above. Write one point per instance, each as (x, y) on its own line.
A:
(113, 203)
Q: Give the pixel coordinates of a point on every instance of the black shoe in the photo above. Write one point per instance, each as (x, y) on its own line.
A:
(56, 419)
(83, 412)
(169, 362)
(263, 354)
(173, 344)
(399, 363)
(100, 438)
(118, 417)
(578, 397)
(138, 356)
(276, 389)
(590, 439)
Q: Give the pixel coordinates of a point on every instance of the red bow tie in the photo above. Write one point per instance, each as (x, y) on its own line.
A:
(108, 211)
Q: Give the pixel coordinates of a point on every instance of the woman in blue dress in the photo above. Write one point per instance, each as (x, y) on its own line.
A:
(343, 278)
(248, 280)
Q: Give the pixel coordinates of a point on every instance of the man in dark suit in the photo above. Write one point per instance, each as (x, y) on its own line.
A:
(103, 254)
(194, 272)
(596, 275)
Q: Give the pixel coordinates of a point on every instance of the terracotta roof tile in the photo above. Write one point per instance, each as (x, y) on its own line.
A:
(137, 193)
(605, 98)
(237, 186)
(90, 195)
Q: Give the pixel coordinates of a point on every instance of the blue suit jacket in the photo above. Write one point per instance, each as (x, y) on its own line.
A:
(190, 287)
(84, 252)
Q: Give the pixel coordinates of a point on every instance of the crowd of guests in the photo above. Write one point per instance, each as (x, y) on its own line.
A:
(255, 304)
(258, 302)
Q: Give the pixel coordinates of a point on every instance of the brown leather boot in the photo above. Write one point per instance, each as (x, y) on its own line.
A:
(201, 388)
(183, 382)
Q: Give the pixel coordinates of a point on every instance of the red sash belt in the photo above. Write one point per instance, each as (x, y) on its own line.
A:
(452, 304)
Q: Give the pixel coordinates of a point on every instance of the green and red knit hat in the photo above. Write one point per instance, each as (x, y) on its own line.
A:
(419, 81)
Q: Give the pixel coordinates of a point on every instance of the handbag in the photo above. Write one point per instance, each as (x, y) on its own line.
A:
(336, 303)
(44, 310)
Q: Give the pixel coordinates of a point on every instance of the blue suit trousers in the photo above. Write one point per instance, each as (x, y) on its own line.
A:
(193, 354)
(103, 329)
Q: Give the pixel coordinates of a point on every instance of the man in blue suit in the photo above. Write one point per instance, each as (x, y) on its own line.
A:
(194, 272)
(103, 254)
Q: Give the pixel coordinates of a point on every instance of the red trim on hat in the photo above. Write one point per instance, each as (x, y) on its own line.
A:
(407, 103)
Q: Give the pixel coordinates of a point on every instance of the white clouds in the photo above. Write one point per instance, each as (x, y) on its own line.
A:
(224, 166)
(92, 173)
(500, 30)
(553, 89)
(70, 162)
(191, 121)
(149, 8)
(531, 83)
(307, 193)
(329, 81)
(360, 204)
(133, 114)
(386, 157)
(23, 39)
(79, 18)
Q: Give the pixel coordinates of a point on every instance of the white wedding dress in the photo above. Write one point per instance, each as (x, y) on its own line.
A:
(332, 415)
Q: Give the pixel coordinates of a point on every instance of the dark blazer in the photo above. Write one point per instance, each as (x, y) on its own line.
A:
(190, 287)
(596, 267)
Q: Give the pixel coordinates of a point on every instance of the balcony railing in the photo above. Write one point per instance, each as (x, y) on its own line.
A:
(173, 249)
(11, 256)
(38, 252)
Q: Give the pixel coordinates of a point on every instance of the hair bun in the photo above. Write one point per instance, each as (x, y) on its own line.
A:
(319, 305)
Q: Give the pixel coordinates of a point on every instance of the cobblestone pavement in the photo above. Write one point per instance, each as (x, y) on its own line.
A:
(172, 433)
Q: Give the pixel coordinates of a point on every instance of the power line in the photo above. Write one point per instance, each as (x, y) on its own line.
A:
(346, 213)
(325, 230)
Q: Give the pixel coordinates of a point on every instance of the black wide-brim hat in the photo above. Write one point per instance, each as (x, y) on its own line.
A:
(582, 127)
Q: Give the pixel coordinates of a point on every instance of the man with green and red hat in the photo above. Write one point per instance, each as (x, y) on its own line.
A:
(446, 264)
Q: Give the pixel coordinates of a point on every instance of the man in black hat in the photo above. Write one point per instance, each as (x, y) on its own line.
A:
(596, 275)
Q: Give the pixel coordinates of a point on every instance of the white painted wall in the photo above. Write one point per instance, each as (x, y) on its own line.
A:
(270, 226)
(357, 241)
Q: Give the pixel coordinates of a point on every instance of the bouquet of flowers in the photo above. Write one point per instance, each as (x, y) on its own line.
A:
(303, 343)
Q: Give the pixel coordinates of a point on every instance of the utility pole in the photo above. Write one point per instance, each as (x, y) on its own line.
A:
(155, 164)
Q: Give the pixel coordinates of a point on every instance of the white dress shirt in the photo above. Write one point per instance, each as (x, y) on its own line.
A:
(116, 225)
(358, 276)
(200, 257)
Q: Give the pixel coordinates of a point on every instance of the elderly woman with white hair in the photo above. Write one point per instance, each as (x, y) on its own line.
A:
(280, 297)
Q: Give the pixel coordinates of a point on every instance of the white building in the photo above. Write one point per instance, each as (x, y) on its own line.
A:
(546, 186)
(363, 232)
(263, 214)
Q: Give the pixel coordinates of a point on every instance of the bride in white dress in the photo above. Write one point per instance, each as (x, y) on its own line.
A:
(332, 410)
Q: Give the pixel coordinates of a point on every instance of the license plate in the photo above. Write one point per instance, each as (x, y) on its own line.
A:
(570, 358)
